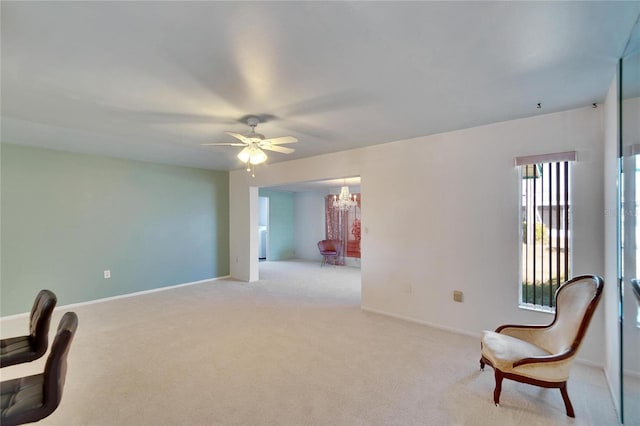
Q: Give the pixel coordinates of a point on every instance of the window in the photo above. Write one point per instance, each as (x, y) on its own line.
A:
(545, 218)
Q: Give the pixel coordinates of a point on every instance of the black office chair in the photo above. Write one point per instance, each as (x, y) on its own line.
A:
(32, 398)
(635, 285)
(16, 350)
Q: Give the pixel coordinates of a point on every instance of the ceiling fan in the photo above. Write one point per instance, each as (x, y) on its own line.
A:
(254, 143)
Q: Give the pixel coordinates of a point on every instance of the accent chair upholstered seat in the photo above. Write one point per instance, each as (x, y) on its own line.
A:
(32, 398)
(16, 350)
(542, 355)
(329, 249)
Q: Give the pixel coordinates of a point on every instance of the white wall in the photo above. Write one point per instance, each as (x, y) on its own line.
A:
(610, 305)
(309, 224)
(441, 213)
(243, 229)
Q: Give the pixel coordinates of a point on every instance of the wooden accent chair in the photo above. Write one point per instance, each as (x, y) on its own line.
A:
(329, 249)
(16, 350)
(32, 398)
(542, 355)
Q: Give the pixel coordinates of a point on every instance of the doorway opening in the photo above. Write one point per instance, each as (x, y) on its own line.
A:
(296, 217)
(263, 228)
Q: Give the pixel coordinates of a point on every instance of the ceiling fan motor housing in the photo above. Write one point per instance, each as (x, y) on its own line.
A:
(253, 121)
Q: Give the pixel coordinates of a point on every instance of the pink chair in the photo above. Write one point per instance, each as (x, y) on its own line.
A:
(329, 249)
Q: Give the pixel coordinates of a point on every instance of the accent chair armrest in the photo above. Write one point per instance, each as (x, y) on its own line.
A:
(534, 334)
(567, 355)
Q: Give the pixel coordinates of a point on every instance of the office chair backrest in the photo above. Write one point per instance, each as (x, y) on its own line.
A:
(55, 370)
(635, 286)
(40, 320)
(32, 398)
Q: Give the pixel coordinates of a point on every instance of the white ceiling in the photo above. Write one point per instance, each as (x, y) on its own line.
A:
(153, 80)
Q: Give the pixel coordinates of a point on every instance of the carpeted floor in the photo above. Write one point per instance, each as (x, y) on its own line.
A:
(291, 349)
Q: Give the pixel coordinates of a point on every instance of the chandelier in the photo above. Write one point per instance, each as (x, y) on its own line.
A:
(345, 200)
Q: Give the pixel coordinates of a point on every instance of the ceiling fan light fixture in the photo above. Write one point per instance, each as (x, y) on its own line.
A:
(257, 156)
(252, 154)
(245, 154)
(254, 143)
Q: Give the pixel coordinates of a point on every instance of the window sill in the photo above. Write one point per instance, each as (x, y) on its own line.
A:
(537, 308)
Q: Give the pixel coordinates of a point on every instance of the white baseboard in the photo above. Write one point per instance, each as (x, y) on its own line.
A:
(631, 373)
(456, 330)
(120, 296)
(418, 321)
(588, 363)
(614, 394)
(353, 262)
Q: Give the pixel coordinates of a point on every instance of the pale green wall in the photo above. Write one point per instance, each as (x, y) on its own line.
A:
(67, 217)
(281, 224)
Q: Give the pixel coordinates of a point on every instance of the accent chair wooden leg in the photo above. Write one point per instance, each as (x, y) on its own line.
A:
(567, 401)
(481, 364)
(498, 389)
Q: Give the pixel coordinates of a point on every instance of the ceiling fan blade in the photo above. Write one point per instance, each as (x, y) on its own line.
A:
(328, 103)
(306, 129)
(281, 140)
(238, 136)
(281, 149)
(171, 117)
(224, 144)
(164, 117)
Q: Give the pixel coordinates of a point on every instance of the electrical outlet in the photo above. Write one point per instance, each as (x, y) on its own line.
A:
(107, 274)
(457, 296)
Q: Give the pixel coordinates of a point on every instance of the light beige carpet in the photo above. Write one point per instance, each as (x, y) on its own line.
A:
(291, 349)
